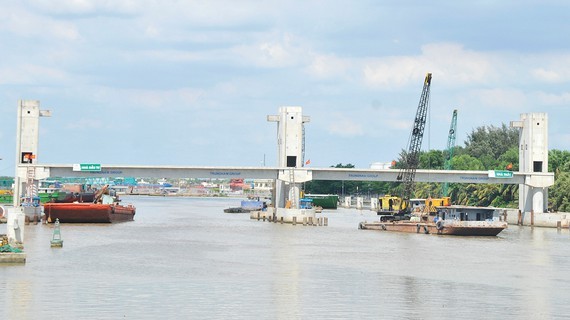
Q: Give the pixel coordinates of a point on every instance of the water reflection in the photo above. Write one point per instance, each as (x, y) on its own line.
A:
(185, 258)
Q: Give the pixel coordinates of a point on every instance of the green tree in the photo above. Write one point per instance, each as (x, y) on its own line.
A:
(559, 193)
(510, 157)
(433, 159)
(490, 142)
(558, 161)
(466, 162)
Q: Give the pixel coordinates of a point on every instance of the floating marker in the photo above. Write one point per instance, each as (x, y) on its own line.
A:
(56, 240)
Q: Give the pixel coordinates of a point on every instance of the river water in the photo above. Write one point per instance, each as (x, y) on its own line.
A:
(184, 258)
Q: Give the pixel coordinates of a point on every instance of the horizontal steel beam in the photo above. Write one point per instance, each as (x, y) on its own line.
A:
(534, 179)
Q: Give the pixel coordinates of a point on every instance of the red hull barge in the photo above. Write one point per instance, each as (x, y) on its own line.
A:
(88, 212)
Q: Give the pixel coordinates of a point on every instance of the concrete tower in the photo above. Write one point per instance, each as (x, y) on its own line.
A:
(533, 157)
(27, 137)
(290, 150)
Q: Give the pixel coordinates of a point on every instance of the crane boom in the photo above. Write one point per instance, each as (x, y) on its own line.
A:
(412, 158)
(450, 148)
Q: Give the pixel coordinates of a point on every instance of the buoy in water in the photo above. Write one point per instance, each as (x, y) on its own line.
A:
(56, 240)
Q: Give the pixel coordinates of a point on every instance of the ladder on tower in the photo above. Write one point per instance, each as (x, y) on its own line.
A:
(292, 191)
(31, 190)
(303, 149)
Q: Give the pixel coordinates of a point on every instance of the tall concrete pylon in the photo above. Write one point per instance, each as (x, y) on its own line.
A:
(27, 138)
(290, 152)
(533, 157)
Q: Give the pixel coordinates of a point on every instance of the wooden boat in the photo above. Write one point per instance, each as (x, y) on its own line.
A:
(84, 212)
(451, 220)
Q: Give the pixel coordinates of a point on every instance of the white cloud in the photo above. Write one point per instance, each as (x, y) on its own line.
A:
(392, 72)
(562, 99)
(546, 75)
(31, 74)
(170, 55)
(220, 59)
(450, 63)
(87, 7)
(503, 98)
(275, 51)
(26, 24)
(150, 99)
(152, 31)
(345, 127)
(328, 66)
(85, 124)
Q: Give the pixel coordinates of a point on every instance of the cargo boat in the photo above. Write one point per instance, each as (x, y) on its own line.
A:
(325, 201)
(88, 212)
(247, 206)
(450, 220)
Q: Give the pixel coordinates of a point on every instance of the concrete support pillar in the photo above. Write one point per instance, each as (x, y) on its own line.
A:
(374, 204)
(15, 221)
(347, 201)
(359, 202)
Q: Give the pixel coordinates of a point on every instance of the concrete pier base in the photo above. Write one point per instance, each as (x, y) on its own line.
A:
(545, 219)
(12, 257)
(306, 217)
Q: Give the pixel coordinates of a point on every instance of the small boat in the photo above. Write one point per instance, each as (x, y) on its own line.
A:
(450, 220)
(247, 206)
(84, 212)
(236, 210)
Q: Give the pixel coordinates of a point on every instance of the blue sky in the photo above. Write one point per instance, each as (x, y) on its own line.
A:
(191, 82)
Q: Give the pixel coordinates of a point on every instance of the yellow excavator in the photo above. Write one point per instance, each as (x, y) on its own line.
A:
(389, 204)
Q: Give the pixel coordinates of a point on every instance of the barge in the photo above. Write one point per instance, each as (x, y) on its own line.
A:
(83, 212)
(450, 220)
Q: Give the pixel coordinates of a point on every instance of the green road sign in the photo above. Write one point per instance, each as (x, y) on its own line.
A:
(87, 167)
(500, 174)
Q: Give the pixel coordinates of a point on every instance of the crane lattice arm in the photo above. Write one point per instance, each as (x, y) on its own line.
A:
(450, 149)
(412, 158)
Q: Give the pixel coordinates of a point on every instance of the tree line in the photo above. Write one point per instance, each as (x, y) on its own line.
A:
(486, 148)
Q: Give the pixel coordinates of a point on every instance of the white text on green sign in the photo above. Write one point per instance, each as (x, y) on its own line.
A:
(500, 174)
(87, 167)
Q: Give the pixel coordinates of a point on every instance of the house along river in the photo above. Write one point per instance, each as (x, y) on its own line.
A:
(184, 258)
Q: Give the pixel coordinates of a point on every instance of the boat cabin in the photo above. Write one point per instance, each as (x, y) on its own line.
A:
(467, 213)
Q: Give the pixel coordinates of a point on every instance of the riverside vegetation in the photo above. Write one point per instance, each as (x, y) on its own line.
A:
(486, 148)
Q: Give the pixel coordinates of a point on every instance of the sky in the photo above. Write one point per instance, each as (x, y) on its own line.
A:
(148, 82)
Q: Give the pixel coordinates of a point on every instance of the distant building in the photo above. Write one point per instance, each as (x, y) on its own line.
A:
(381, 165)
